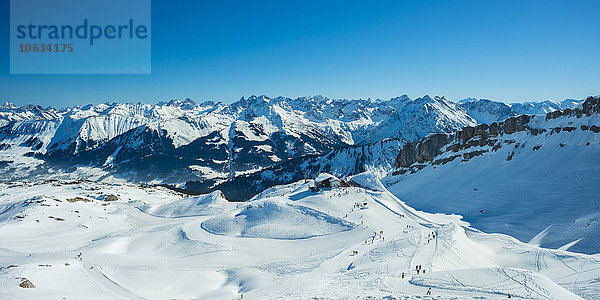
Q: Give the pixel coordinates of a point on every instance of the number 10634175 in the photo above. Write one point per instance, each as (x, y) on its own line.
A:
(49, 48)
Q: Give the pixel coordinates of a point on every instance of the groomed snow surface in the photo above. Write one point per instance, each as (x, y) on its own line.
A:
(547, 193)
(286, 243)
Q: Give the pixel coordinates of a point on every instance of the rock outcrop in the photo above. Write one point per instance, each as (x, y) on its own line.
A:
(481, 135)
(78, 199)
(26, 284)
(414, 155)
(590, 106)
(111, 197)
(422, 151)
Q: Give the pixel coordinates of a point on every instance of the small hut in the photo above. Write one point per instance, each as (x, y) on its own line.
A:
(325, 180)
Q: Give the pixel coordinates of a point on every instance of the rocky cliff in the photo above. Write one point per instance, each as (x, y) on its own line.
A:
(413, 155)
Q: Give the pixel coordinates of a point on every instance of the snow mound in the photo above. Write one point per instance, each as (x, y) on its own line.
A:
(204, 205)
(368, 180)
(275, 220)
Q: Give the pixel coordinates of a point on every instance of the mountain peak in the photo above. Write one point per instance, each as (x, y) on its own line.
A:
(8, 105)
(467, 100)
(186, 104)
(427, 98)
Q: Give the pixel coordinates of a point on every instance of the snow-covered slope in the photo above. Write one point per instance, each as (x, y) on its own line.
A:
(532, 177)
(104, 241)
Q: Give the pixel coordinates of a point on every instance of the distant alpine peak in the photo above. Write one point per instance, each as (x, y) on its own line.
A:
(255, 98)
(320, 98)
(252, 101)
(185, 104)
(401, 98)
(467, 100)
(428, 98)
(8, 105)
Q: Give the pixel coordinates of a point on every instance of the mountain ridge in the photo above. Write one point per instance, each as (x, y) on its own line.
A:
(182, 142)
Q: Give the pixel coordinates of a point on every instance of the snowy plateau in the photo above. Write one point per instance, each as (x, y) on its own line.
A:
(427, 199)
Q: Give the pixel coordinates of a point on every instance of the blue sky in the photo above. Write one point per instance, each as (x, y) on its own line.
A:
(510, 51)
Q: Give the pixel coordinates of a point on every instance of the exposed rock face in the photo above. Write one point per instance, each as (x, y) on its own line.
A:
(484, 135)
(111, 197)
(26, 284)
(78, 199)
(472, 154)
(590, 106)
(422, 151)
(515, 124)
(430, 147)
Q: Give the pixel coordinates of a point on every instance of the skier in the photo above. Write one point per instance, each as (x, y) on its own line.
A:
(428, 292)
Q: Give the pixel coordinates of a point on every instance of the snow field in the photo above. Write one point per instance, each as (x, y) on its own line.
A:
(291, 243)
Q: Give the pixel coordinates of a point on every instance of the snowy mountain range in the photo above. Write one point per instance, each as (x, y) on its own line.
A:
(206, 144)
(378, 157)
(488, 111)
